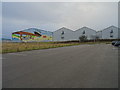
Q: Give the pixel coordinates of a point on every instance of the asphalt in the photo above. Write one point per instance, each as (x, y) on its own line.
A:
(83, 66)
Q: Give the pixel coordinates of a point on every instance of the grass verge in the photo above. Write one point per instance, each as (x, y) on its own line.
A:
(9, 47)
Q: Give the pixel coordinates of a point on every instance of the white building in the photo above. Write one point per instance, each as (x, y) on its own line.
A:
(99, 34)
(110, 33)
(63, 34)
(85, 31)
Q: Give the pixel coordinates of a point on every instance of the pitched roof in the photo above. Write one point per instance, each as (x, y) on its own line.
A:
(64, 28)
(85, 27)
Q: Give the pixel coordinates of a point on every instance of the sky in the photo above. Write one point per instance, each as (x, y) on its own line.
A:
(0, 20)
(51, 16)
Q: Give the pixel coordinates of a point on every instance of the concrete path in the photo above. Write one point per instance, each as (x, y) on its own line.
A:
(83, 66)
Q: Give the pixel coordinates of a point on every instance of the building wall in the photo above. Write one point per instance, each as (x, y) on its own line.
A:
(119, 33)
(99, 34)
(43, 35)
(110, 33)
(63, 34)
(90, 33)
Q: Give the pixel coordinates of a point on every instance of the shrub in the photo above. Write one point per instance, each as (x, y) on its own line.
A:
(83, 38)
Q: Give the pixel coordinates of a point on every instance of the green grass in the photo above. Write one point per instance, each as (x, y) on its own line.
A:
(19, 47)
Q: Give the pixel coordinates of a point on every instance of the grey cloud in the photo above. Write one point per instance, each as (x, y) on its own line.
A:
(54, 15)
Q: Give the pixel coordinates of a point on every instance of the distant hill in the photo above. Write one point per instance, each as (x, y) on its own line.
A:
(6, 40)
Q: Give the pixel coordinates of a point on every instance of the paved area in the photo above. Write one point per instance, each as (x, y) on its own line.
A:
(83, 66)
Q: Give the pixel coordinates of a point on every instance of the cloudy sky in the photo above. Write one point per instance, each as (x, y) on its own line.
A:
(51, 16)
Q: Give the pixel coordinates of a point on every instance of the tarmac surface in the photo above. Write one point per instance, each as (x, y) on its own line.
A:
(83, 66)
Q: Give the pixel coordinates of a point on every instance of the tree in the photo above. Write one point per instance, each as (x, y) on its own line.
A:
(82, 38)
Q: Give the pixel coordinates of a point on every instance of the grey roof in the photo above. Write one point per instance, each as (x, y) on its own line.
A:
(108, 28)
(32, 29)
(64, 28)
(85, 27)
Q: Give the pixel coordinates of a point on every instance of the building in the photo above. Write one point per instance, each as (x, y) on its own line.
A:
(118, 33)
(63, 34)
(85, 31)
(32, 34)
(110, 33)
(99, 34)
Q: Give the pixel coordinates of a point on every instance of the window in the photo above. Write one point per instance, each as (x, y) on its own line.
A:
(62, 37)
(111, 36)
(84, 32)
(62, 32)
(111, 31)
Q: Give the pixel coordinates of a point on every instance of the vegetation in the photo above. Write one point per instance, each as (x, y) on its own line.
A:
(8, 47)
(18, 47)
(83, 38)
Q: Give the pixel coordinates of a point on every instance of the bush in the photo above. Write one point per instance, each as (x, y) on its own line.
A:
(83, 38)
